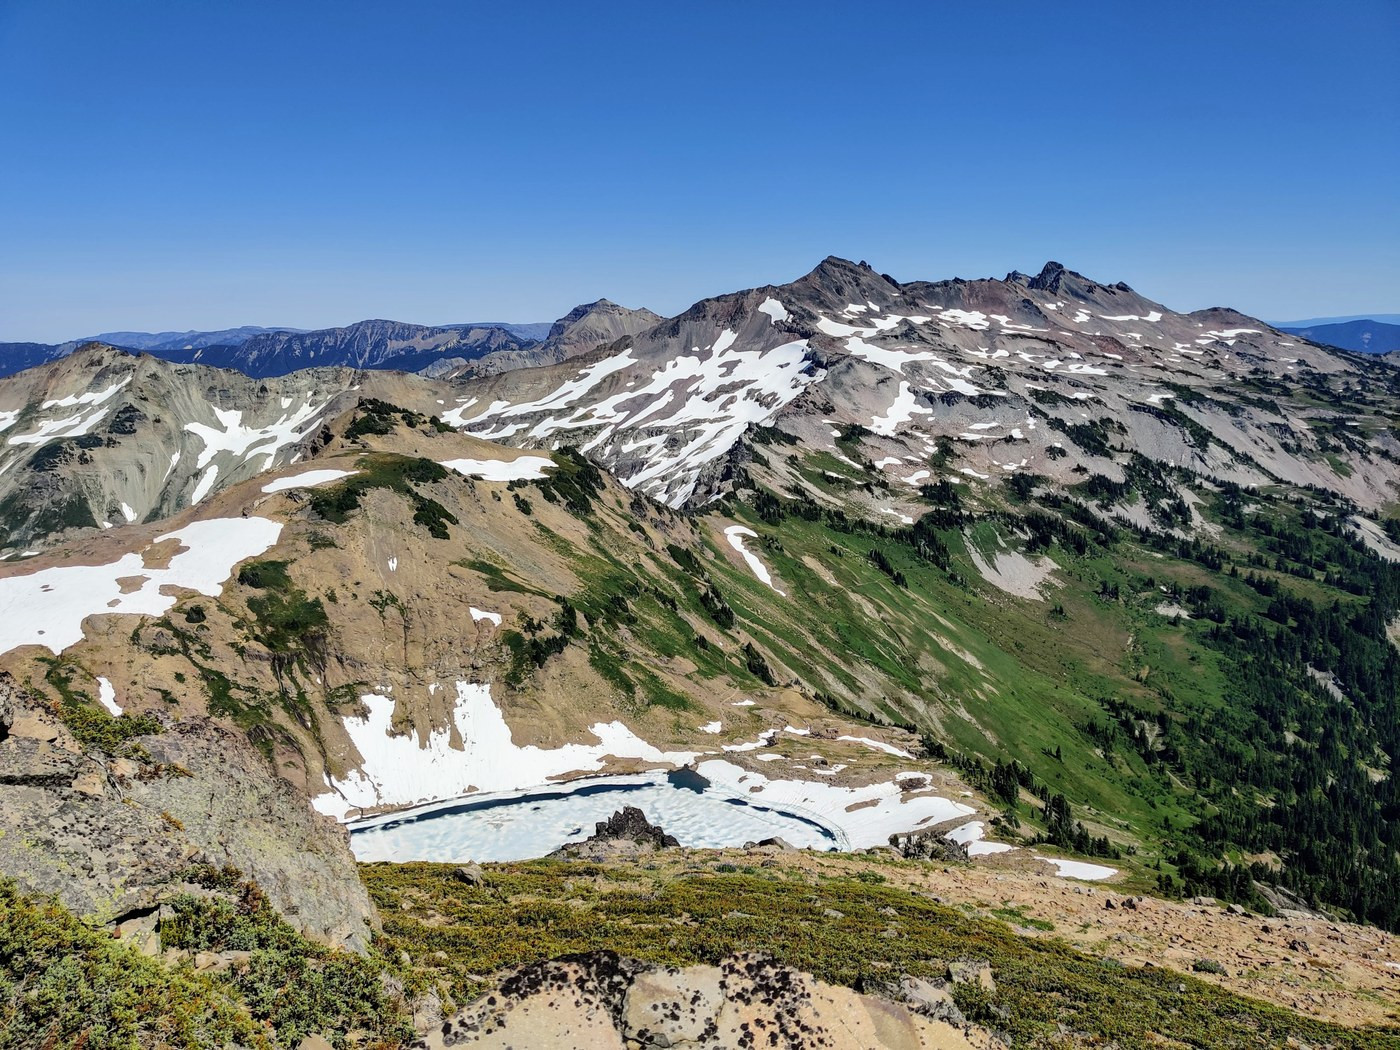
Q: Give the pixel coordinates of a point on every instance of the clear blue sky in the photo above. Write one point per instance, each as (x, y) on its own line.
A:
(199, 163)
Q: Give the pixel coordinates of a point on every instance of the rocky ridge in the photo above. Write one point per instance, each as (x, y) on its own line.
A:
(1051, 374)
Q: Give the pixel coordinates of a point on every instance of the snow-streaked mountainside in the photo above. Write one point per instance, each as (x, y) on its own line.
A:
(1053, 374)
(101, 437)
(966, 382)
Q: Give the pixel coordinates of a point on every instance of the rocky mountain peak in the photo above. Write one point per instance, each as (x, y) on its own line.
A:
(1049, 277)
(839, 281)
(586, 326)
(1054, 278)
(599, 307)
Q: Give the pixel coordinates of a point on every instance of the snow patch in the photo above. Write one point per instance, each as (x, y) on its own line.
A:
(904, 408)
(107, 697)
(523, 468)
(775, 310)
(1078, 869)
(307, 479)
(205, 485)
(246, 442)
(735, 534)
(76, 425)
(48, 607)
(971, 835)
(475, 752)
(877, 745)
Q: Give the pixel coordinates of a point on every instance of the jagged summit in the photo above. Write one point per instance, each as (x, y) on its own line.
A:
(916, 363)
(1049, 278)
(1057, 279)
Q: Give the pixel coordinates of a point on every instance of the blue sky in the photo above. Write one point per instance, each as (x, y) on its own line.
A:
(203, 164)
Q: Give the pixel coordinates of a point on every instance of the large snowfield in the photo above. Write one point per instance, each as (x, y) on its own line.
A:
(396, 771)
(48, 607)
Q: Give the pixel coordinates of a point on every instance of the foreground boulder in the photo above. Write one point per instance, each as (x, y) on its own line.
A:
(112, 836)
(606, 1002)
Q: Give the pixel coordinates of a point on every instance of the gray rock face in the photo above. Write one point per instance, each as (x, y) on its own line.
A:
(104, 438)
(110, 836)
(600, 1000)
(631, 824)
(929, 845)
(588, 326)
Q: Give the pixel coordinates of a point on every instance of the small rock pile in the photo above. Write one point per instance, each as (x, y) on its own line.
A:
(626, 832)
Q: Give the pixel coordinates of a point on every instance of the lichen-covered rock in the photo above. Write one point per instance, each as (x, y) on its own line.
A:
(110, 837)
(748, 1000)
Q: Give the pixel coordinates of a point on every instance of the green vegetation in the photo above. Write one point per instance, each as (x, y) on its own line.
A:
(1313, 683)
(63, 984)
(263, 575)
(378, 418)
(543, 909)
(1264, 724)
(91, 725)
(297, 987)
(574, 483)
(498, 579)
(530, 647)
(396, 473)
(19, 517)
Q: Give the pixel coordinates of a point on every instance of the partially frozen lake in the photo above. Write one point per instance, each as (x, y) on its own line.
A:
(521, 825)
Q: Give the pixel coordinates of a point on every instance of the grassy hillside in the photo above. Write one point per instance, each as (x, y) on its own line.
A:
(858, 929)
(1228, 696)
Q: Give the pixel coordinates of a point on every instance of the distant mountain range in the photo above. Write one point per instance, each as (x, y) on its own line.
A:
(379, 344)
(157, 341)
(1313, 322)
(1367, 336)
(485, 348)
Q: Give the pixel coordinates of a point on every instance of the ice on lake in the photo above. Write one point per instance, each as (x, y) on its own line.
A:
(523, 825)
